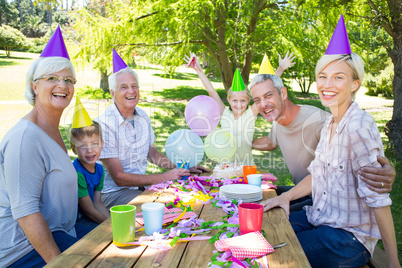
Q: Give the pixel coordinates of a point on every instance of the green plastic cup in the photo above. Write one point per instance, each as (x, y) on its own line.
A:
(123, 224)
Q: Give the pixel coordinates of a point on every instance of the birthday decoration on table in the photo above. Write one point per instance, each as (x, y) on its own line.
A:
(220, 145)
(266, 67)
(169, 215)
(184, 145)
(202, 114)
(339, 43)
(56, 46)
(190, 192)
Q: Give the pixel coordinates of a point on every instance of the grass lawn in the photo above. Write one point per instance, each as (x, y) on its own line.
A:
(165, 101)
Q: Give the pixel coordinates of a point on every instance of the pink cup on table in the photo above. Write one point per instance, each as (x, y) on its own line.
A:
(250, 217)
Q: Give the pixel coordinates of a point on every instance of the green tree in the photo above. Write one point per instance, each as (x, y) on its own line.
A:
(49, 5)
(380, 15)
(226, 29)
(11, 38)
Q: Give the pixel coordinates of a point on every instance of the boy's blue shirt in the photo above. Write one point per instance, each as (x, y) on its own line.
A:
(92, 181)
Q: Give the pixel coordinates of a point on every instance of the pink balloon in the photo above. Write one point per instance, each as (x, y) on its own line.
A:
(202, 114)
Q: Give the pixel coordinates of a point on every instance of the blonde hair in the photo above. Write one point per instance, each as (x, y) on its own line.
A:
(246, 91)
(353, 60)
(43, 66)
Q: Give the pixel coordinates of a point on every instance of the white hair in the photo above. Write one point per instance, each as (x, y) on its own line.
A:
(353, 60)
(276, 81)
(113, 78)
(43, 66)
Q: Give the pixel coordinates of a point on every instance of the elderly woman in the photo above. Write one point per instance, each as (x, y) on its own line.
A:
(38, 183)
(346, 219)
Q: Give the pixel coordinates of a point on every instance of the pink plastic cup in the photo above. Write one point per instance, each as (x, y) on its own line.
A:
(250, 217)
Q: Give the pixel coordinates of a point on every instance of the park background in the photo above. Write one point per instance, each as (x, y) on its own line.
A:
(154, 36)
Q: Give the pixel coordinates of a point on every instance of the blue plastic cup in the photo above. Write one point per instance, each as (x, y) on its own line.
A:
(153, 217)
(254, 179)
(186, 165)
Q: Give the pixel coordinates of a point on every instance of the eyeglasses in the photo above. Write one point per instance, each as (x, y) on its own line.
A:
(54, 79)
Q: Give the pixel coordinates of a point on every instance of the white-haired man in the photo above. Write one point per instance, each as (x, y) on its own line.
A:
(129, 144)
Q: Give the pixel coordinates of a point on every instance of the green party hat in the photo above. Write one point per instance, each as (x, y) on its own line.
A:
(238, 84)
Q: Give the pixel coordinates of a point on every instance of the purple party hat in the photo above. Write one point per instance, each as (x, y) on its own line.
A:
(118, 62)
(339, 43)
(56, 47)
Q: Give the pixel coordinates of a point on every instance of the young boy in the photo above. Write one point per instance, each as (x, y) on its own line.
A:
(87, 143)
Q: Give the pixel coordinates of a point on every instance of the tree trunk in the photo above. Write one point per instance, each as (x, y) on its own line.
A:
(394, 126)
(248, 57)
(104, 83)
(49, 16)
(32, 7)
(20, 11)
(394, 28)
(225, 68)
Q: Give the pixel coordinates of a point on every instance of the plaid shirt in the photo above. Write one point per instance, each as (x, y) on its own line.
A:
(340, 198)
(127, 142)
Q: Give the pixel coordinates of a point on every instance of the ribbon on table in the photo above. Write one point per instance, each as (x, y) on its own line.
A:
(170, 215)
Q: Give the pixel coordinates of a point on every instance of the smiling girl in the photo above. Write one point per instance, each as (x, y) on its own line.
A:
(238, 118)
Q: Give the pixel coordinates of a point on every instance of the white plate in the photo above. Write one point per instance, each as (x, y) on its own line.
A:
(246, 200)
(240, 189)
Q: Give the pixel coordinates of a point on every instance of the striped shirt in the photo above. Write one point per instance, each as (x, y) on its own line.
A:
(128, 141)
(340, 198)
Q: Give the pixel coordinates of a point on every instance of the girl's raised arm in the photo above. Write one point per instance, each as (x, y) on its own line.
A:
(193, 62)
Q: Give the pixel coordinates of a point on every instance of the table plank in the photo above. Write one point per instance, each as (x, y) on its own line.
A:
(278, 229)
(168, 258)
(97, 249)
(94, 243)
(198, 253)
(114, 256)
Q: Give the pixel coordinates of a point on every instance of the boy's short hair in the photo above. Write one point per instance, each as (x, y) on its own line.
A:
(77, 133)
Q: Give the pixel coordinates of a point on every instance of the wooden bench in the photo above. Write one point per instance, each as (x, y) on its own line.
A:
(378, 260)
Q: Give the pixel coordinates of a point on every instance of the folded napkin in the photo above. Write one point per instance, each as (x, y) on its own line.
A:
(251, 245)
(265, 185)
(168, 216)
(268, 177)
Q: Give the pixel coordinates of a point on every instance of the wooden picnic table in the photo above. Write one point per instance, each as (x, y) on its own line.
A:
(97, 250)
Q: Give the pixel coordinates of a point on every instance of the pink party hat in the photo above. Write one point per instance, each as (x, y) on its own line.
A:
(118, 62)
(56, 47)
(339, 43)
(238, 84)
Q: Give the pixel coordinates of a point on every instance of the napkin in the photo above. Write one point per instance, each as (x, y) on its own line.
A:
(265, 185)
(251, 245)
(268, 177)
(168, 216)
